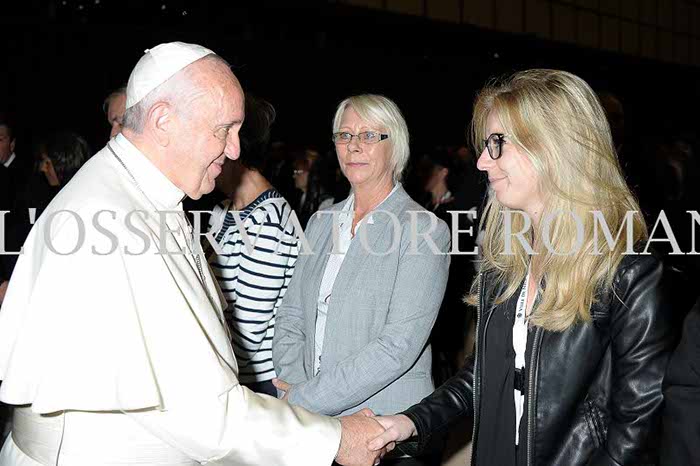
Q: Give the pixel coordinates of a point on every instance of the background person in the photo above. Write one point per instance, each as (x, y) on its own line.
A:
(353, 328)
(681, 418)
(314, 180)
(571, 350)
(14, 171)
(253, 281)
(452, 328)
(60, 156)
(114, 107)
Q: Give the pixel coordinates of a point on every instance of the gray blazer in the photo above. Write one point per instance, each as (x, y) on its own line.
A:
(375, 351)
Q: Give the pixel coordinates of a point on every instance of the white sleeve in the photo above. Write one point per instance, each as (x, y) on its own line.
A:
(243, 428)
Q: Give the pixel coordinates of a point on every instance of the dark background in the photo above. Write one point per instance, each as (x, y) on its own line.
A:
(59, 61)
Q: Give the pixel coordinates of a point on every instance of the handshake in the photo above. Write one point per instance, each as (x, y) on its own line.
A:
(366, 439)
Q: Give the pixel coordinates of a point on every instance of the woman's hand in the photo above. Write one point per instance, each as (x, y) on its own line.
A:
(282, 386)
(48, 170)
(398, 428)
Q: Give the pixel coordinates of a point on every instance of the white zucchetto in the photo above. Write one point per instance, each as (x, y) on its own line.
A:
(158, 65)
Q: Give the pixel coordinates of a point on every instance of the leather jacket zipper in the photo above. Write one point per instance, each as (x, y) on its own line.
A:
(532, 392)
(477, 380)
(532, 388)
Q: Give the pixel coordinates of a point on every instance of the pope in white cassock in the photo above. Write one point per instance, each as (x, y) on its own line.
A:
(112, 341)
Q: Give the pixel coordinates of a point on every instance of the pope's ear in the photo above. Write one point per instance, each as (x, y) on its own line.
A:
(160, 122)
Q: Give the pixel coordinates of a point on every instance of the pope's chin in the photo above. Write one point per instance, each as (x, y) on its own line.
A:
(213, 172)
(205, 187)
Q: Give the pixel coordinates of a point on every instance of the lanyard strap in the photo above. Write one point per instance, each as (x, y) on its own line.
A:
(520, 310)
(520, 328)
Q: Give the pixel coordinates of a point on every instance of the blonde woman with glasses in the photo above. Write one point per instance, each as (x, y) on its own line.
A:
(573, 331)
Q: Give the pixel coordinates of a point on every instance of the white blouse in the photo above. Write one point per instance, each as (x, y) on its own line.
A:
(335, 261)
(520, 346)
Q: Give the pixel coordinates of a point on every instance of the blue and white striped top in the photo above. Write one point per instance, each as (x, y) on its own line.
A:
(254, 281)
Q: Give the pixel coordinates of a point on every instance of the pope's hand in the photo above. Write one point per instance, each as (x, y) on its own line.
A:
(397, 428)
(357, 431)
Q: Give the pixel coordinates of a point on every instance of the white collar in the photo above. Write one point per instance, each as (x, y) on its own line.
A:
(350, 205)
(155, 185)
(9, 160)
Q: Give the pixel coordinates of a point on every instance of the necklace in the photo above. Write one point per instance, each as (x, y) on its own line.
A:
(195, 257)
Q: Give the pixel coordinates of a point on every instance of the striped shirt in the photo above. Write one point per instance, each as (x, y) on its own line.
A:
(254, 281)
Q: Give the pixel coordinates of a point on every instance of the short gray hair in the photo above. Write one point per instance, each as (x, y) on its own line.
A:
(379, 110)
(173, 91)
(170, 92)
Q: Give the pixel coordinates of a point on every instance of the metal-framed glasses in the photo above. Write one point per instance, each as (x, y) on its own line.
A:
(365, 137)
(494, 144)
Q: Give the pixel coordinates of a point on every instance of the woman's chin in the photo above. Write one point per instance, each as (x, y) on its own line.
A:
(357, 178)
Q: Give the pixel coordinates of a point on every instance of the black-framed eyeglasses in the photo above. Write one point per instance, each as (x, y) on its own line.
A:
(494, 144)
(366, 137)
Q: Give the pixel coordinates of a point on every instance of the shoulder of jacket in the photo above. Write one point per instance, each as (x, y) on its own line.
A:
(633, 266)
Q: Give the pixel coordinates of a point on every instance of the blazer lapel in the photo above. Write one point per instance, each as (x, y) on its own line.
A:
(379, 238)
(313, 275)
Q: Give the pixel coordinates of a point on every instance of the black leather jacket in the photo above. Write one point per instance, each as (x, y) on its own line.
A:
(595, 389)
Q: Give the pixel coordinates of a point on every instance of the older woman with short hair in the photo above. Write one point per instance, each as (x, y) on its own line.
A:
(352, 330)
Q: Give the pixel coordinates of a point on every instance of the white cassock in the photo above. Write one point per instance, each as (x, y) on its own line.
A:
(122, 358)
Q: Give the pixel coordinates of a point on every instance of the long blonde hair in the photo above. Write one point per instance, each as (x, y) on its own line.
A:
(557, 121)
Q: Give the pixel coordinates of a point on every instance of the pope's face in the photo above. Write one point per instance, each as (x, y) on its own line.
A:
(208, 133)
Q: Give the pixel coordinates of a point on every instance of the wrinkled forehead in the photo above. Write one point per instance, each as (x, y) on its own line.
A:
(219, 90)
(233, 99)
(209, 71)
